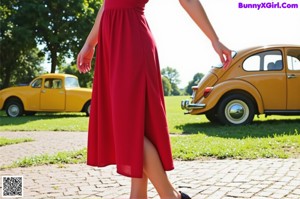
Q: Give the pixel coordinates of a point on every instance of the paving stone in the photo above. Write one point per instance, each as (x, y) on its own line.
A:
(44, 143)
(208, 179)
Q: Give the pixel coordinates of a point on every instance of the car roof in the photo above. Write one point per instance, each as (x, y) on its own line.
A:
(255, 48)
(57, 75)
(245, 51)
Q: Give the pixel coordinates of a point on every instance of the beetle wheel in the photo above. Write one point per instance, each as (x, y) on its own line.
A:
(236, 109)
(212, 116)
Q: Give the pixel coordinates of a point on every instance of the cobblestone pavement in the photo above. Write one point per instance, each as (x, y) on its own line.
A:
(213, 179)
(44, 143)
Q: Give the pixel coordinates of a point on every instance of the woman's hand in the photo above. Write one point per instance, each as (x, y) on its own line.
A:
(223, 52)
(196, 11)
(84, 58)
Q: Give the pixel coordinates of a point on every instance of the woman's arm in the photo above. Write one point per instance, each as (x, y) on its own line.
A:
(86, 54)
(196, 11)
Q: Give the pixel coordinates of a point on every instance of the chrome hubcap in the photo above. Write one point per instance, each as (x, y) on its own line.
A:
(236, 111)
(13, 110)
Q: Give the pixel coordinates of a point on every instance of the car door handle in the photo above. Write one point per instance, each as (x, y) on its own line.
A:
(61, 92)
(291, 76)
(43, 91)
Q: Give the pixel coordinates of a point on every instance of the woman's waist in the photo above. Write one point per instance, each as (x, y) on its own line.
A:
(125, 4)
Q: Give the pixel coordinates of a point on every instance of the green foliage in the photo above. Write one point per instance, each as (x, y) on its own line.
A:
(196, 79)
(19, 57)
(60, 27)
(175, 90)
(166, 86)
(173, 76)
(7, 141)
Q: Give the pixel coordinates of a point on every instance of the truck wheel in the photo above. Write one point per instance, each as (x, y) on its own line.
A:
(87, 108)
(14, 108)
(236, 109)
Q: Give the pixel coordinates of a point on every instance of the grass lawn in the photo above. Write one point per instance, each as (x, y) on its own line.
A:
(45, 122)
(6, 141)
(271, 137)
(193, 137)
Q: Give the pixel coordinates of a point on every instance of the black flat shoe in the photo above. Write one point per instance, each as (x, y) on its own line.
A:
(184, 196)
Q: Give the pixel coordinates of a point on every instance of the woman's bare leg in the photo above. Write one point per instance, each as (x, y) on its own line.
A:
(139, 187)
(154, 170)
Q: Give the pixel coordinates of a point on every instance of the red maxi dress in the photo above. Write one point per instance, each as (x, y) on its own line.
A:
(127, 99)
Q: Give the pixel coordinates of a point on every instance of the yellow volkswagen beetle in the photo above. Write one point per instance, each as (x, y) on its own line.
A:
(46, 93)
(259, 80)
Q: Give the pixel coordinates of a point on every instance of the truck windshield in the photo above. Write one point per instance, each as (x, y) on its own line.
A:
(72, 82)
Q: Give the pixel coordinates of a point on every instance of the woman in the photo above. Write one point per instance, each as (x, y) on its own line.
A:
(128, 124)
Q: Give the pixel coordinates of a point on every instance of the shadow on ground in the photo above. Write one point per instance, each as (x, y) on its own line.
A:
(259, 129)
(5, 120)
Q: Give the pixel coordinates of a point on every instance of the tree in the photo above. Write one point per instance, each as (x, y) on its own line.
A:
(19, 58)
(173, 76)
(196, 79)
(166, 86)
(175, 90)
(60, 26)
(30, 62)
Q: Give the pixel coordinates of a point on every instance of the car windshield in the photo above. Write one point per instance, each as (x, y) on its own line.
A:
(36, 83)
(72, 82)
(220, 65)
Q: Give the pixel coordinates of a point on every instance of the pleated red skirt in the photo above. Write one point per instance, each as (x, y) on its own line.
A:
(127, 100)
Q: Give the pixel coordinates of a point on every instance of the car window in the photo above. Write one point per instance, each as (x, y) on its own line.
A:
(252, 63)
(53, 83)
(72, 82)
(37, 83)
(264, 61)
(293, 59)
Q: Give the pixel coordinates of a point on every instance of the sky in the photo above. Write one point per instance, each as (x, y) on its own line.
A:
(182, 45)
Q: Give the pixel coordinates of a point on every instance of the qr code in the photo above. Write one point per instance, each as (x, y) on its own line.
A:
(12, 186)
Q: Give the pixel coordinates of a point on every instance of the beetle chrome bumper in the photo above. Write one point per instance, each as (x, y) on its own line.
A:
(185, 105)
